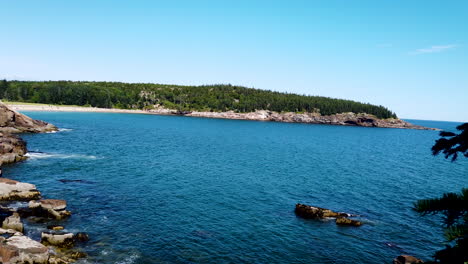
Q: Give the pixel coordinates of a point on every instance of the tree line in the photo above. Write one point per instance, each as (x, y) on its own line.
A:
(217, 98)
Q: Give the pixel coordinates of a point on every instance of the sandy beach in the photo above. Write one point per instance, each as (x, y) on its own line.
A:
(56, 108)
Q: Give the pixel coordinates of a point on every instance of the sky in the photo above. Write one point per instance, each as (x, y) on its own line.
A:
(410, 56)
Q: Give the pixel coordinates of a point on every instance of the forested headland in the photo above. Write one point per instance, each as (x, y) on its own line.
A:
(215, 98)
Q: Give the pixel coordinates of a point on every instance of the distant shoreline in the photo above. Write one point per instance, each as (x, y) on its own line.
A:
(343, 119)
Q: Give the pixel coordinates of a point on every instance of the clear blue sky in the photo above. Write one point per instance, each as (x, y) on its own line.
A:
(411, 56)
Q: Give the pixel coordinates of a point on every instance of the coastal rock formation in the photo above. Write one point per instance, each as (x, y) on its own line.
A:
(12, 148)
(49, 208)
(14, 190)
(406, 259)
(62, 240)
(14, 122)
(22, 249)
(13, 222)
(343, 119)
(347, 222)
(312, 212)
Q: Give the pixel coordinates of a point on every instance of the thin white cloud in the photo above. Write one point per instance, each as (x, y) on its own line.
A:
(433, 49)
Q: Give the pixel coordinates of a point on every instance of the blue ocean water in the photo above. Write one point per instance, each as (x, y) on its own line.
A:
(165, 189)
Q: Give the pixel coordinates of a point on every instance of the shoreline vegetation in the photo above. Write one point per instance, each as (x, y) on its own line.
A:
(203, 98)
(346, 119)
(211, 101)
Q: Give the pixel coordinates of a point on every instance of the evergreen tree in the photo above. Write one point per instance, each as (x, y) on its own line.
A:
(453, 206)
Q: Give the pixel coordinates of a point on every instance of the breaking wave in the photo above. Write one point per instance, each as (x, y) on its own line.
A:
(42, 155)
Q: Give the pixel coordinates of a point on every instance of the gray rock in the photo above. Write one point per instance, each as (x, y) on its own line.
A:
(19, 249)
(13, 222)
(15, 190)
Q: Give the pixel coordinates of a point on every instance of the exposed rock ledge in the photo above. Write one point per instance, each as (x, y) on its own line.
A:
(13, 148)
(14, 122)
(343, 119)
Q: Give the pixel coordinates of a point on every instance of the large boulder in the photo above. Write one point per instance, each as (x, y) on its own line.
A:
(14, 190)
(13, 222)
(50, 208)
(12, 148)
(59, 239)
(312, 212)
(14, 122)
(19, 249)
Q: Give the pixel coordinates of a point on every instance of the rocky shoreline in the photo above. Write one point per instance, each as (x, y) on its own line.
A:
(55, 247)
(343, 119)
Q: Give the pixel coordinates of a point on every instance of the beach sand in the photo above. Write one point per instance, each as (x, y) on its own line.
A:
(56, 108)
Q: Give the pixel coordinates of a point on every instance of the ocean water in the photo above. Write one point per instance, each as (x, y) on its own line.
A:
(165, 189)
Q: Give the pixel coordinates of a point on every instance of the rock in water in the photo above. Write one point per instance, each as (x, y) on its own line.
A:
(49, 208)
(347, 222)
(12, 149)
(81, 237)
(19, 249)
(14, 122)
(406, 259)
(14, 190)
(312, 212)
(55, 227)
(62, 240)
(13, 222)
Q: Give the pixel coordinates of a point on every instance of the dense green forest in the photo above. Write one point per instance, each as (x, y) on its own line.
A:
(216, 98)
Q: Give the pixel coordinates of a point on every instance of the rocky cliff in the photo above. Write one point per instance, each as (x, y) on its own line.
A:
(14, 122)
(13, 148)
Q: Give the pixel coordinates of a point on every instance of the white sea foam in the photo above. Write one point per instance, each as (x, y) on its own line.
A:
(42, 155)
(60, 130)
(16, 205)
(128, 260)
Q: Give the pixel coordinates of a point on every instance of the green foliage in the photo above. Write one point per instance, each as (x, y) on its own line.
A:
(218, 98)
(453, 206)
(451, 144)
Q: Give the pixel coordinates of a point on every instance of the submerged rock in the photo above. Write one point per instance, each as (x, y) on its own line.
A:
(347, 222)
(312, 212)
(55, 227)
(13, 222)
(14, 190)
(22, 249)
(406, 259)
(81, 237)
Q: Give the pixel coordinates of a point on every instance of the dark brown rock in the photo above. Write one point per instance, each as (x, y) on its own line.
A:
(406, 259)
(312, 212)
(347, 222)
(81, 237)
